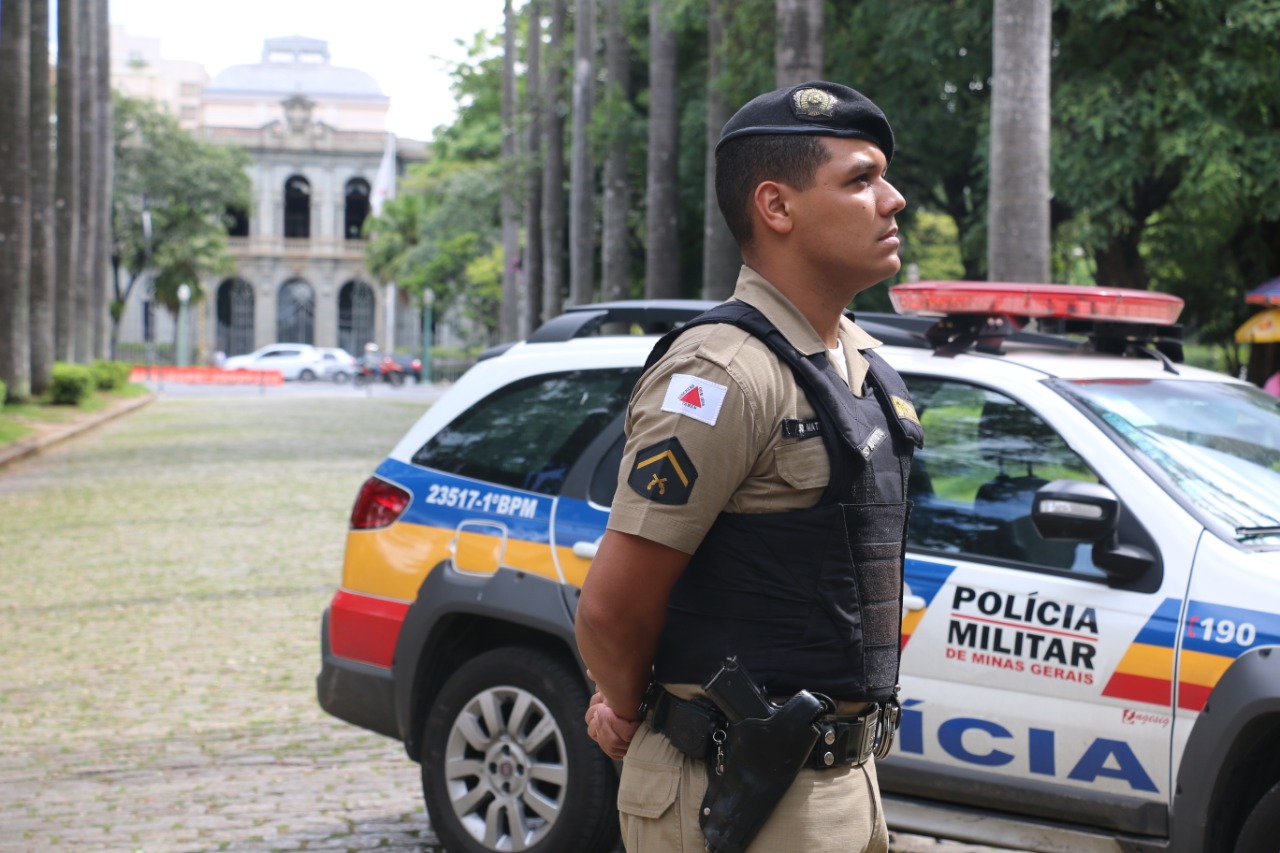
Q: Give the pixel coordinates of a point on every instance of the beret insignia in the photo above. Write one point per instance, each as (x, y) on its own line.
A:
(663, 473)
(813, 103)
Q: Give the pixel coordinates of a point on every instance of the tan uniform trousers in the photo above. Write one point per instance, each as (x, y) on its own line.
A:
(824, 811)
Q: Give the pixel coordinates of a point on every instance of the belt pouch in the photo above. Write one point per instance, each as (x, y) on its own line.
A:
(761, 759)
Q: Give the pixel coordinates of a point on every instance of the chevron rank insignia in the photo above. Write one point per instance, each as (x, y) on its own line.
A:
(663, 473)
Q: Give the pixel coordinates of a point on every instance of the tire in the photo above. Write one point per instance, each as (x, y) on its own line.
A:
(307, 375)
(480, 780)
(341, 377)
(396, 379)
(1261, 829)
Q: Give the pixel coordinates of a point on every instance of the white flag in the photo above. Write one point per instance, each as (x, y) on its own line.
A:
(384, 185)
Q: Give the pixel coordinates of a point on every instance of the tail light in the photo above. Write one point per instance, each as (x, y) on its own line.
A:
(379, 504)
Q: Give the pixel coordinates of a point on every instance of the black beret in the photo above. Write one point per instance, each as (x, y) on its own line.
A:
(818, 109)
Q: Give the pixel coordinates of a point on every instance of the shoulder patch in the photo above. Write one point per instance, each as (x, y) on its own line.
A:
(905, 410)
(696, 398)
(663, 473)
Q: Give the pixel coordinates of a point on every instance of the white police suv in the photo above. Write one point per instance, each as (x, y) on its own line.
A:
(1091, 633)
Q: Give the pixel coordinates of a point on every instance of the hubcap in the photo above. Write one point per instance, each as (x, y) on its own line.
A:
(506, 768)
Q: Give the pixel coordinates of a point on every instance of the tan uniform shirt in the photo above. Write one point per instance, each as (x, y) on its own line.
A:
(730, 427)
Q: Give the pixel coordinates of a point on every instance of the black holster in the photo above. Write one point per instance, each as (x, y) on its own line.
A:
(760, 760)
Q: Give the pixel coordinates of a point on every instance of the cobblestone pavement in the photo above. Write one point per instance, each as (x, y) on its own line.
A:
(163, 580)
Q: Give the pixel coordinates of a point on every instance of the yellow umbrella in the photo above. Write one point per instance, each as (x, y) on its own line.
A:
(1261, 328)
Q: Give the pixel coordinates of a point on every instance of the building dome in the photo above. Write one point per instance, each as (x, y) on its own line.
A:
(295, 66)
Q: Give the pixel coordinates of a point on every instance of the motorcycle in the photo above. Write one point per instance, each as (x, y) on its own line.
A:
(379, 370)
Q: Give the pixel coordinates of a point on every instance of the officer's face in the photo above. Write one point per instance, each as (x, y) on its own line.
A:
(846, 219)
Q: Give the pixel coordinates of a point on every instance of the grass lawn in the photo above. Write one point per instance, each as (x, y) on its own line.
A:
(19, 420)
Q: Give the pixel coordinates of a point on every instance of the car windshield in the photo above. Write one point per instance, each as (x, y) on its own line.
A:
(1217, 443)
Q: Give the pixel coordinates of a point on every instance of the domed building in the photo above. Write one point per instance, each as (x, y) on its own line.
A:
(316, 135)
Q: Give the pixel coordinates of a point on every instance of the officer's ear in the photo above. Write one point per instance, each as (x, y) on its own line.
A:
(772, 204)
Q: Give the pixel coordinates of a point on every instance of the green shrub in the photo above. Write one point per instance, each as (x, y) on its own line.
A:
(71, 384)
(4, 389)
(110, 375)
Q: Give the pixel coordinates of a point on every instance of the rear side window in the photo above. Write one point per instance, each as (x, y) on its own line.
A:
(528, 434)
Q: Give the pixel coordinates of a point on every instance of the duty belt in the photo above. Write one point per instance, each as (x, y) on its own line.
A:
(696, 726)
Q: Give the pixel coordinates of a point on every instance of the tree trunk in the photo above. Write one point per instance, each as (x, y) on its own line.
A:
(582, 190)
(88, 213)
(797, 46)
(615, 252)
(531, 315)
(553, 198)
(720, 257)
(15, 197)
(1120, 263)
(105, 163)
(662, 249)
(509, 309)
(41, 204)
(1018, 195)
(67, 188)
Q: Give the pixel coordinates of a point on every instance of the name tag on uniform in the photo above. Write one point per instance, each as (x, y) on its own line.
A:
(873, 441)
(801, 427)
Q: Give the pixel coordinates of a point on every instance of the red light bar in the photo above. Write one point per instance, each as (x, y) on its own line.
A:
(1058, 301)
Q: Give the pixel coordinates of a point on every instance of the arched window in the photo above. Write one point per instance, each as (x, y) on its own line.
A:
(297, 207)
(295, 313)
(357, 208)
(355, 316)
(235, 317)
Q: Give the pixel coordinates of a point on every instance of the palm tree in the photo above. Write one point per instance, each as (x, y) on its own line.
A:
(67, 184)
(104, 156)
(42, 356)
(1018, 200)
(582, 190)
(553, 199)
(87, 214)
(532, 266)
(662, 250)
(15, 196)
(615, 251)
(720, 257)
(509, 308)
(797, 47)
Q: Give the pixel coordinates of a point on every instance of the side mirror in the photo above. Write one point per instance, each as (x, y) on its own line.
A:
(1088, 512)
(1075, 511)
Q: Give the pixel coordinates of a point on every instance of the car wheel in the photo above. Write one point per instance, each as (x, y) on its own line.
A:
(341, 377)
(307, 375)
(396, 379)
(507, 763)
(1262, 827)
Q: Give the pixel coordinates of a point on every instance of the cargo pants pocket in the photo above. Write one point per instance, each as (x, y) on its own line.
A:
(648, 789)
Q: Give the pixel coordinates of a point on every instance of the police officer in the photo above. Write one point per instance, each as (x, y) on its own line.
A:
(761, 506)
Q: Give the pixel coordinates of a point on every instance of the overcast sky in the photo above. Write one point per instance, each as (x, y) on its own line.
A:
(403, 44)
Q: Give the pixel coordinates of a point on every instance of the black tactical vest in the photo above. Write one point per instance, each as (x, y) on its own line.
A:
(812, 598)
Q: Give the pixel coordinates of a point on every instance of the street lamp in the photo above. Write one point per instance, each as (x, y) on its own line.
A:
(428, 297)
(184, 296)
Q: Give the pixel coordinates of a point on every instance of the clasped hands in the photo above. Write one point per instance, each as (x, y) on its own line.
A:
(612, 732)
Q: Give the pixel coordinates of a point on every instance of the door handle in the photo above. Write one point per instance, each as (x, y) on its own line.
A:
(912, 602)
(587, 550)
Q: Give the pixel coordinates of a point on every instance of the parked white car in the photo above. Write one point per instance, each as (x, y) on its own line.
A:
(338, 364)
(294, 361)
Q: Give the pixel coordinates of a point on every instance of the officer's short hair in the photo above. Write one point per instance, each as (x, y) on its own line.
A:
(774, 138)
(743, 164)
